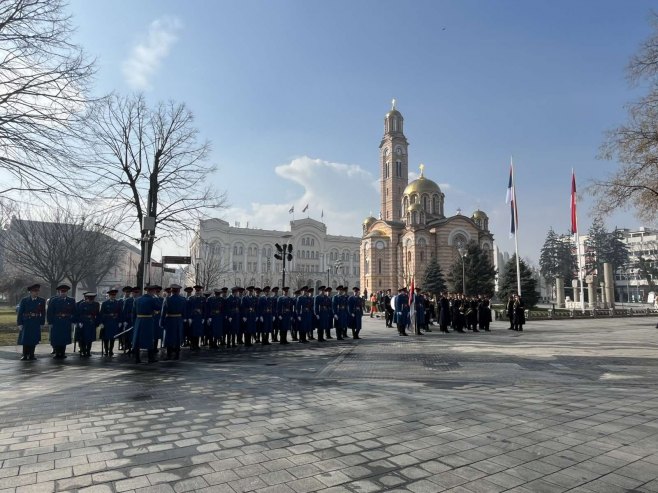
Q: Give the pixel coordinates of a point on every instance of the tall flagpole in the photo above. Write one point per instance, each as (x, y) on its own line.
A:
(576, 231)
(516, 230)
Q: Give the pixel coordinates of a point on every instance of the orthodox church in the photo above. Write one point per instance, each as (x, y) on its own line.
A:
(412, 227)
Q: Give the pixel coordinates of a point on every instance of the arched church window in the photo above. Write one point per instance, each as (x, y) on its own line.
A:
(414, 217)
(434, 205)
(425, 208)
(379, 266)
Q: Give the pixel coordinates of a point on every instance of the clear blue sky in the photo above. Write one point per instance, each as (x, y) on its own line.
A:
(292, 95)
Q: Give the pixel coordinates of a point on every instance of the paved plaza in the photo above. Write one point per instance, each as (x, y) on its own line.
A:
(563, 406)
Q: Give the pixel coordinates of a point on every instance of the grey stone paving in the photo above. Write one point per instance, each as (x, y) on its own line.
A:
(563, 406)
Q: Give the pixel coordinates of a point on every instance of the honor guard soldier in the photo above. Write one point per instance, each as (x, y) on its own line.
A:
(232, 310)
(275, 324)
(129, 318)
(61, 319)
(111, 321)
(157, 327)
(355, 309)
(284, 310)
(329, 302)
(187, 335)
(143, 332)
(123, 324)
(30, 317)
(322, 312)
(266, 313)
(173, 310)
(195, 312)
(339, 308)
(248, 312)
(402, 311)
(294, 323)
(215, 317)
(304, 311)
(88, 319)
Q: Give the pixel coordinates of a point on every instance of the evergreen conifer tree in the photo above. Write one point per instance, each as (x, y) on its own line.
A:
(508, 284)
(433, 280)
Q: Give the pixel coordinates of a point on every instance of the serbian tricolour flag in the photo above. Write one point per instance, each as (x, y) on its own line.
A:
(574, 218)
(511, 200)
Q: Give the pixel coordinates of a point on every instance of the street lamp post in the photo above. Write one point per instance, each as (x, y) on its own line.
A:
(462, 253)
(284, 252)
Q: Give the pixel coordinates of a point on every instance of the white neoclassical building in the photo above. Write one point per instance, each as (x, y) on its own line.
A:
(224, 255)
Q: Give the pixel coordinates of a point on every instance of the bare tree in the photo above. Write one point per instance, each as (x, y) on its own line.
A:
(44, 79)
(37, 248)
(58, 246)
(209, 266)
(634, 145)
(92, 253)
(150, 163)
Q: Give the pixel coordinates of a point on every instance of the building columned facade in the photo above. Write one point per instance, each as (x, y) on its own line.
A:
(224, 255)
(412, 227)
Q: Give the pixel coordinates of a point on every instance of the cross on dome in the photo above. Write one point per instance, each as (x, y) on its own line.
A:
(422, 167)
(393, 104)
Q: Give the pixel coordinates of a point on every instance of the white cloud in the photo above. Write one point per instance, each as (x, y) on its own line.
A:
(147, 55)
(344, 192)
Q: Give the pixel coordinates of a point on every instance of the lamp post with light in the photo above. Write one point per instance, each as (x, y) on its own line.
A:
(283, 253)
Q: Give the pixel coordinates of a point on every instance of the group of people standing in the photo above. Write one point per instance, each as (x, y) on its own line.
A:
(419, 309)
(166, 318)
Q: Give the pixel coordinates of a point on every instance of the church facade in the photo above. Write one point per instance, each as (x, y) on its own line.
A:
(412, 227)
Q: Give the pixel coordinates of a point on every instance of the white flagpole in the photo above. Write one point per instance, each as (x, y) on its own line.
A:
(516, 230)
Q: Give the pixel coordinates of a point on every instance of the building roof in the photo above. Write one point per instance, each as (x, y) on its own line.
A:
(422, 185)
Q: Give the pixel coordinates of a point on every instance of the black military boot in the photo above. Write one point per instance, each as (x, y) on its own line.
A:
(177, 353)
(247, 340)
(293, 334)
(355, 334)
(265, 339)
(320, 335)
(151, 355)
(137, 358)
(31, 356)
(310, 336)
(328, 334)
(111, 353)
(24, 357)
(302, 337)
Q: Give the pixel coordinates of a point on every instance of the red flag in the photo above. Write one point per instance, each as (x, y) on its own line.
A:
(574, 219)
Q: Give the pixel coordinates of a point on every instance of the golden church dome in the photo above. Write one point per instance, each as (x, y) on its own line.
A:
(368, 221)
(478, 214)
(422, 185)
(414, 207)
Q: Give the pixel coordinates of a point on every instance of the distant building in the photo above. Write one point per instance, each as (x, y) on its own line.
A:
(630, 286)
(226, 256)
(412, 227)
(500, 262)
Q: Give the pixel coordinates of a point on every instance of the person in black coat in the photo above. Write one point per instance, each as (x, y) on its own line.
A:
(519, 313)
(444, 313)
(484, 315)
(388, 309)
(510, 311)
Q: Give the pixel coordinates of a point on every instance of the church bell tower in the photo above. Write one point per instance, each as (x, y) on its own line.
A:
(394, 165)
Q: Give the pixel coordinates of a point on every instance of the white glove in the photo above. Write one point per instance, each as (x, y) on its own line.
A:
(80, 324)
(299, 318)
(20, 327)
(353, 315)
(209, 320)
(273, 319)
(280, 317)
(229, 319)
(101, 326)
(336, 317)
(318, 317)
(189, 320)
(244, 319)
